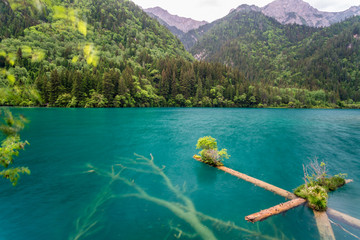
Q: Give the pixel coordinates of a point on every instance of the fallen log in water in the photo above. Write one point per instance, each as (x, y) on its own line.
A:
(348, 181)
(324, 226)
(342, 217)
(257, 182)
(282, 207)
(322, 220)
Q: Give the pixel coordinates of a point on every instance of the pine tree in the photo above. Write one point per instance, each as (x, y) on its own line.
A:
(199, 90)
(108, 86)
(164, 86)
(122, 89)
(127, 75)
(55, 87)
(77, 89)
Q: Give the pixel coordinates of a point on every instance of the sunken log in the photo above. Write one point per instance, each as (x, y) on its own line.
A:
(348, 181)
(344, 218)
(282, 207)
(257, 182)
(324, 226)
(322, 220)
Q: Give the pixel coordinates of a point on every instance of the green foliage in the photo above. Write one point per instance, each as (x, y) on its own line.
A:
(11, 145)
(117, 36)
(13, 174)
(11, 125)
(206, 143)
(209, 152)
(315, 194)
(9, 148)
(96, 100)
(332, 183)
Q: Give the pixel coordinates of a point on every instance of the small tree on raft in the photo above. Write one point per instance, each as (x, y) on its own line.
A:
(209, 152)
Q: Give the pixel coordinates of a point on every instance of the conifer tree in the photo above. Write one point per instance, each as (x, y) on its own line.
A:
(54, 87)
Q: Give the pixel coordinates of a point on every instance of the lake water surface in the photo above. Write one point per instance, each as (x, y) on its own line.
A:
(73, 193)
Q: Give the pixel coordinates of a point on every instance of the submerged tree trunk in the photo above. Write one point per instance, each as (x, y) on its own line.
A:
(322, 220)
(342, 217)
(324, 226)
(282, 207)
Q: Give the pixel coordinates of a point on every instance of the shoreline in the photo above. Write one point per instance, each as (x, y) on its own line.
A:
(315, 108)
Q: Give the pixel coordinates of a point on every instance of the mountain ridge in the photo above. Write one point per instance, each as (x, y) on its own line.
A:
(284, 11)
(182, 23)
(301, 12)
(269, 52)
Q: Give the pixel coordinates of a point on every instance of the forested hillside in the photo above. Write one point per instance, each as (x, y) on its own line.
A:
(251, 42)
(65, 49)
(286, 55)
(109, 53)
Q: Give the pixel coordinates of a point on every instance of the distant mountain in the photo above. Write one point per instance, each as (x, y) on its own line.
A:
(284, 11)
(269, 52)
(181, 23)
(249, 41)
(174, 30)
(246, 8)
(300, 12)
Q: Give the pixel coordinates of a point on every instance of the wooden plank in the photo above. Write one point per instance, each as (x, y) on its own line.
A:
(282, 207)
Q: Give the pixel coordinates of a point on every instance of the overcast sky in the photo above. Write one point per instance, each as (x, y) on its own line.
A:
(211, 10)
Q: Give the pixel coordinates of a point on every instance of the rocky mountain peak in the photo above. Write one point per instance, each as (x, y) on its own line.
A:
(181, 23)
(295, 11)
(246, 8)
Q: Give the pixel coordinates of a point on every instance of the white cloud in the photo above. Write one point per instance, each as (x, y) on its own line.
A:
(211, 10)
(208, 3)
(334, 5)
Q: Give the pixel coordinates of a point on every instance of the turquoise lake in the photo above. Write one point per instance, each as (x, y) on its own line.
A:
(73, 193)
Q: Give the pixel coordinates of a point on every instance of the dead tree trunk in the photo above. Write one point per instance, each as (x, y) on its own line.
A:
(322, 220)
(282, 207)
(342, 217)
(257, 182)
(324, 226)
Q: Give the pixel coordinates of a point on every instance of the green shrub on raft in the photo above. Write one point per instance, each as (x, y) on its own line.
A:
(317, 198)
(316, 195)
(333, 183)
(209, 153)
(317, 185)
(206, 143)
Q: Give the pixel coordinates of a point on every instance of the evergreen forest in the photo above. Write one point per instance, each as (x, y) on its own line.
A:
(109, 53)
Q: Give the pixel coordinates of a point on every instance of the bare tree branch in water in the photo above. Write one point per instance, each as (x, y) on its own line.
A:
(183, 208)
(88, 223)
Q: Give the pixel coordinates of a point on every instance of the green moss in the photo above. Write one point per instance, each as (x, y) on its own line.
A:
(317, 198)
(315, 194)
(333, 183)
